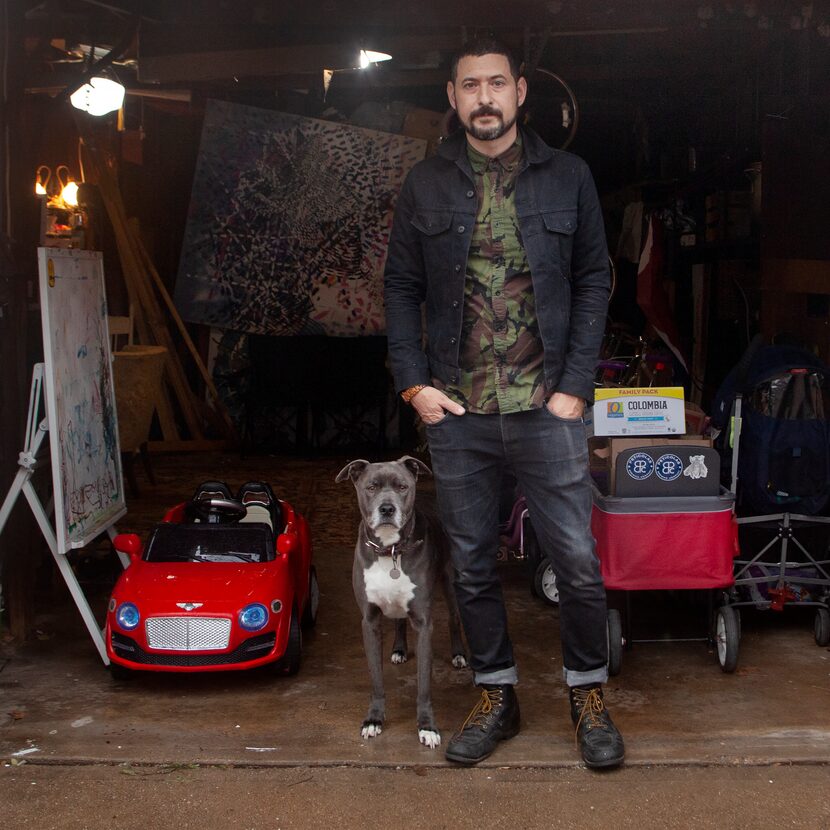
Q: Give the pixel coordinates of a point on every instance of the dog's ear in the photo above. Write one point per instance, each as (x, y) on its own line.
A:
(352, 470)
(415, 466)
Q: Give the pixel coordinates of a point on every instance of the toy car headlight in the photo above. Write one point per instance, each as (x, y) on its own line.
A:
(127, 616)
(253, 617)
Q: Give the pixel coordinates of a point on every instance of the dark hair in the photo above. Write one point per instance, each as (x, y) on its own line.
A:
(484, 46)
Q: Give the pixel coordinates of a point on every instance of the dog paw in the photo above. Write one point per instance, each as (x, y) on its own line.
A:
(371, 729)
(429, 737)
(459, 661)
(398, 657)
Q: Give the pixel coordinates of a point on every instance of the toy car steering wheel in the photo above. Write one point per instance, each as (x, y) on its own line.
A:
(218, 510)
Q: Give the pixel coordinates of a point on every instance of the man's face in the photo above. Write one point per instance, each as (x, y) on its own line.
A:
(486, 96)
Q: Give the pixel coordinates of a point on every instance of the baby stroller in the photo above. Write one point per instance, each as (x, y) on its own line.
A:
(772, 411)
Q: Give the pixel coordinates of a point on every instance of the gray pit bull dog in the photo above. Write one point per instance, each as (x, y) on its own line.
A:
(399, 560)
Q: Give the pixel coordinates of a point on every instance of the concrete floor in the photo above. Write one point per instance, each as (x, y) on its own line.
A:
(674, 706)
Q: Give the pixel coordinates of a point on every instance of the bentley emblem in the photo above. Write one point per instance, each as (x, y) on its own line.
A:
(189, 606)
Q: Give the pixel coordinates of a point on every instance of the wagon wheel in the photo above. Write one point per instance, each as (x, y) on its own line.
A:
(615, 642)
(821, 627)
(544, 583)
(727, 638)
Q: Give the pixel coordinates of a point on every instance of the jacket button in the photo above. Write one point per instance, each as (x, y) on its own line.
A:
(453, 340)
(470, 194)
(454, 378)
(461, 228)
(455, 303)
(457, 267)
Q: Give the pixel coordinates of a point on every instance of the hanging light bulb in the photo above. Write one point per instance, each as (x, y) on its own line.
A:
(99, 96)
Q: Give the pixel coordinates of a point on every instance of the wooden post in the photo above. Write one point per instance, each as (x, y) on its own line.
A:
(17, 544)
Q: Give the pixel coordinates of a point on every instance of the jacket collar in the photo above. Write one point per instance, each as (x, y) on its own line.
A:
(454, 148)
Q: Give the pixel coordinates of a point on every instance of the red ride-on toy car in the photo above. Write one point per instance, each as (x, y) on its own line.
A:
(223, 584)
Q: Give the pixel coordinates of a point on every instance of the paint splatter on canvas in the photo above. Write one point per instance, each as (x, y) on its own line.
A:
(289, 222)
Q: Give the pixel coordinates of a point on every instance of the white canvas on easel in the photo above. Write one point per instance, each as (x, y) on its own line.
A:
(75, 384)
(80, 398)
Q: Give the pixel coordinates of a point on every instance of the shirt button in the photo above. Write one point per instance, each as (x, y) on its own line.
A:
(470, 194)
(461, 228)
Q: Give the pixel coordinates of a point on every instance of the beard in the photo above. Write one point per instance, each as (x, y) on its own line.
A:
(487, 133)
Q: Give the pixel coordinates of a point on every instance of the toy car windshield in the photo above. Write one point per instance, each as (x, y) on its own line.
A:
(210, 543)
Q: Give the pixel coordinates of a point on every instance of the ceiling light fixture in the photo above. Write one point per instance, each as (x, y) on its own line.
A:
(99, 96)
(368, 57)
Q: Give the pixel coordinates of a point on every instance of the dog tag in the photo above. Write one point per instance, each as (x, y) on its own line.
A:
(395, 573)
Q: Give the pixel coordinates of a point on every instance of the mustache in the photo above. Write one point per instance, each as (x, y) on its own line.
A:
(485, 110)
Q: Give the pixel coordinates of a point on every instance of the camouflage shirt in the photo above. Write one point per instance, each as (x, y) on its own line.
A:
(501, 360)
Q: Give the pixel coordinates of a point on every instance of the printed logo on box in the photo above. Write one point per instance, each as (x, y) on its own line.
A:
(640, 466)
(615, 409)
(669, 467)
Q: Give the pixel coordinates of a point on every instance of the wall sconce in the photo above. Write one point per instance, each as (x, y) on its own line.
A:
(42, 180)
(99, 96)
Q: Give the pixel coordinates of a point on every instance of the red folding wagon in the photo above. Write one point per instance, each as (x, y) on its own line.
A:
(668, 527)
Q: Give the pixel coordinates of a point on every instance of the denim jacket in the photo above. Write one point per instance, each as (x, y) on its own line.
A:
(562, 230)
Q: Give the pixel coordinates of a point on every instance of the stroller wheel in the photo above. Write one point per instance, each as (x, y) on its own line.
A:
(822, 627)
(615, 642)
(544, 583)
(727, 638)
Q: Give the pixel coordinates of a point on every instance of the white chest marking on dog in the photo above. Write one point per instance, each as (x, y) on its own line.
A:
(392, 596)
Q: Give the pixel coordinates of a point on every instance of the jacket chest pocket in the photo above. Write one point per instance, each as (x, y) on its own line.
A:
(549, 236)
(437, 233)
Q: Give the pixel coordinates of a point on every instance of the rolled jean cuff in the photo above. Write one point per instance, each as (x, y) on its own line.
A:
(501, 677)
(583, 678)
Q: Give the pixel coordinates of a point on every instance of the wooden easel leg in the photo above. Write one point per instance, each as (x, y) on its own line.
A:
(66, 571)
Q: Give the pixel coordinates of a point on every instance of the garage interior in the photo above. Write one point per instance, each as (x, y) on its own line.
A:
(683, 108)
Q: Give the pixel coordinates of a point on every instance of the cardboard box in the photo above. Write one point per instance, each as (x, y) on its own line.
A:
(628, 411)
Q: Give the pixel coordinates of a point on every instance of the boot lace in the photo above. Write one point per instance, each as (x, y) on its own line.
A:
(591, 707)
(480, 715)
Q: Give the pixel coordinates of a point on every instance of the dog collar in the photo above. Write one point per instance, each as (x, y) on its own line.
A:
(393, 551)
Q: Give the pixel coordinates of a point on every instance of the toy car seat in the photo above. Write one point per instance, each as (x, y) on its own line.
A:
(261, 503)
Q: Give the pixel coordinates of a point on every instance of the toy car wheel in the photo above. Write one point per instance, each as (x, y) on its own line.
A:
(313, 601)
(289, 663)
(119, 672)
(727, 638)
(821, 627)
(615, 642)
(544, 583)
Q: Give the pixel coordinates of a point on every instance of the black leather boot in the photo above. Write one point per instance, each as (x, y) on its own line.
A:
(494, 718)
(598, 739)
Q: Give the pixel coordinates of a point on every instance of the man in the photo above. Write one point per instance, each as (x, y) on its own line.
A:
(502, 238)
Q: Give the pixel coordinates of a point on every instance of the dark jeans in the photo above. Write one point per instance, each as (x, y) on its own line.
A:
(549, 457)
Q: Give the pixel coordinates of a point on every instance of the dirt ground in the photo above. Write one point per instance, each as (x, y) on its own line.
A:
(128, 797)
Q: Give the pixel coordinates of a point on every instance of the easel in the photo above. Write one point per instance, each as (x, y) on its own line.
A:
(29, 462)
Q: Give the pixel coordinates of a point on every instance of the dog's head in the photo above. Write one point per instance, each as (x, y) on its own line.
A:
(385, 493)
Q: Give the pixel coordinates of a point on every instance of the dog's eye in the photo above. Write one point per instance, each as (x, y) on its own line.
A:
(371, 487)
(402, 488)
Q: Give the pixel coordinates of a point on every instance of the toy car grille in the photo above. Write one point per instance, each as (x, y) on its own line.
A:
(253, 648)
(188, 633)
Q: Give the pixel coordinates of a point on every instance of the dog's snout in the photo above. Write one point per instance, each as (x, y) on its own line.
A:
(387, 510)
